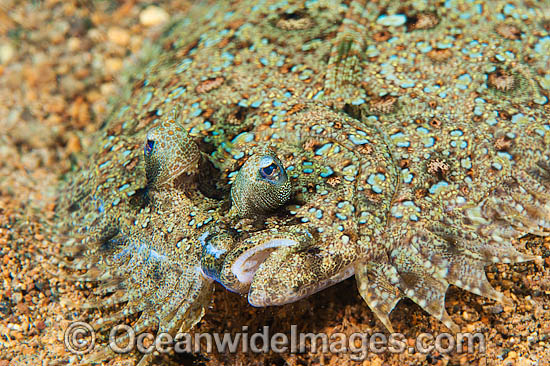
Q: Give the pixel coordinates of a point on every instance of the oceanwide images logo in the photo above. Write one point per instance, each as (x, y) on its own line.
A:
(80, 338)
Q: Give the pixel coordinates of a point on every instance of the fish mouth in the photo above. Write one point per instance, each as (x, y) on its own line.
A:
(256, 253)
(264, 294)
(277, 268)
(234, 264)
(245, 266)
(281, 268)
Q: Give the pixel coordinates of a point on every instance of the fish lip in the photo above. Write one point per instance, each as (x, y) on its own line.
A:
(260, 297)
(261, 252)
(257, 254)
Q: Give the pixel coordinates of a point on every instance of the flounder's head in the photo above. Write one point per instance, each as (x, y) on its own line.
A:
(307, 200)
(306, 203)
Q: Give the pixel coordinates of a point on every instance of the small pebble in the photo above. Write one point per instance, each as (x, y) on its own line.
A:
(74, 44)
(6, 52)
(24, 309)
(153, 15)
(73, 144)
(79, 111)
(113, 65)
(40, 325)
(118, 36)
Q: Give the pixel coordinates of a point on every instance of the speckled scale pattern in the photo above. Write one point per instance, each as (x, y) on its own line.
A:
(415, 136)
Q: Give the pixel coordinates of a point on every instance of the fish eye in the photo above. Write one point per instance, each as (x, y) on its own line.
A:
(269, 172)
(170, 155)
(149, 145)
(261, 186)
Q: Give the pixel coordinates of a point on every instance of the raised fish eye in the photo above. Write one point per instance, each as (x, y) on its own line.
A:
(270, 172)
(149, 145)
(171, 156)
(261, 185)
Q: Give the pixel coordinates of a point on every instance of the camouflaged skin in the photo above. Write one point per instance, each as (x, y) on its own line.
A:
(415, 136)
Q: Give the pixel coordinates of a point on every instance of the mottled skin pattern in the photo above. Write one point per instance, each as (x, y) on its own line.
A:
(415, 138)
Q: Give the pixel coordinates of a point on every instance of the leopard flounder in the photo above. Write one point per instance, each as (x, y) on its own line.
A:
(279, 147)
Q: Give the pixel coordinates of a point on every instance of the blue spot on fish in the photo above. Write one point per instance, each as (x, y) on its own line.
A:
(457, 133)
(123, 187)
(433, 189)
(430, 142)
(323, 149)
(327, 172)
(341, 216)
(358, 140)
